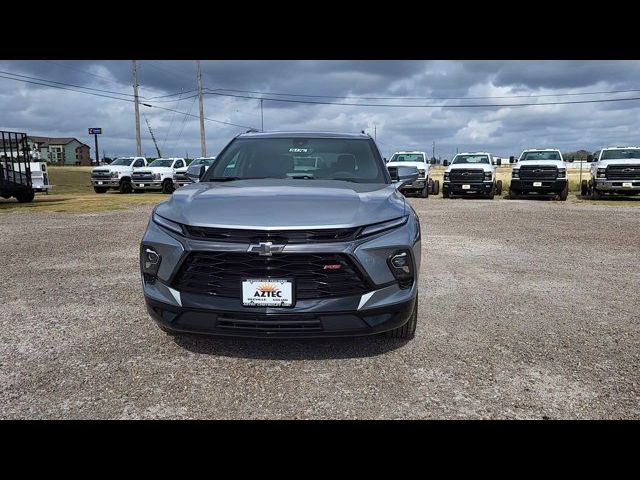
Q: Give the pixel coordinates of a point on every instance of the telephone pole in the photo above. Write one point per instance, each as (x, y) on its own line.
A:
(375, 132)
(261, 115)
(434, 150)
(135, 96)
(203, 143)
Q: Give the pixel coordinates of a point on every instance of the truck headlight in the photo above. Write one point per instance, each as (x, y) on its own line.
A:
(487, 175)
(168, 224)
(601, 173)
(562, 173)
(115, 174)
(422, 173)
(155, 176)
(515, 173)
(446, 176)
(401, 265)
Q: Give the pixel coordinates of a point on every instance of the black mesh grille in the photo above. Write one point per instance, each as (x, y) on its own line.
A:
(466, 175)
(623, 172)
(101, 174)
(142, 176)
(529, 172)
(279, 236)
(276, 324)
(221, 273)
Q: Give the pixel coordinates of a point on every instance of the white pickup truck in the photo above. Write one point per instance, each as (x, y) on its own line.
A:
(471, 173)
(539, 171)
(117, 175)
(424, 185)
(158, 175)
(180, 177)
(616, 171)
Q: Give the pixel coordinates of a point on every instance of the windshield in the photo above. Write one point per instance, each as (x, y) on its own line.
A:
(202, 161)
(353, 160)
(161, 163)
(620, 154)
(122, 161)
(471, 159)
(407, 157)
(540, 156)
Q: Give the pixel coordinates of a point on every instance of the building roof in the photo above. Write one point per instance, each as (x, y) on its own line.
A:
(46, 141)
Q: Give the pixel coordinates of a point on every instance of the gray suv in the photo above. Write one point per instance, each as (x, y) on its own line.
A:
(286, 235)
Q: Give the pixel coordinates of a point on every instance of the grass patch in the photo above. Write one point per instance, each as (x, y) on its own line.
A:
(72, 193)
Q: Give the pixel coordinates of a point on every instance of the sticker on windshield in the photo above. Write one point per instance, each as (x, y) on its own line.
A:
(300, 150)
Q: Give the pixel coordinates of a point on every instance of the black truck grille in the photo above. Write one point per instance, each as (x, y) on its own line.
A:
(279, 236)
(221, 273)
(623, 172)
(275, 324)
(101, 174)
(466, 175)
(142, 177)
(528, 172)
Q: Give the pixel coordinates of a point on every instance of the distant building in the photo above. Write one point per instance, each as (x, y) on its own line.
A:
(61, 151)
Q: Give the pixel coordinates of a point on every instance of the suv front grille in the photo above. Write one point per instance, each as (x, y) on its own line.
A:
(275, 324)
(221, 273)
(280, 236)
(623, 172)
(466, 175)
(531, 172)
(142, 176)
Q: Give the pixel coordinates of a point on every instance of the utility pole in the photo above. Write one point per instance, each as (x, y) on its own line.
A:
(375, 131)
(262, 115)
(434, 150)
(203, 143)
(135, 97)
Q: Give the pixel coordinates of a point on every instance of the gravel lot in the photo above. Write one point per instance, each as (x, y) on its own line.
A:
(525, 312)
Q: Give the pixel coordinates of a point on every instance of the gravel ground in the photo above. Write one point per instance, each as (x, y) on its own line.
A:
(525, 312)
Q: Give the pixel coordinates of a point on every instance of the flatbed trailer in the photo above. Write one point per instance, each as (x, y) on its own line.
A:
(15, 169)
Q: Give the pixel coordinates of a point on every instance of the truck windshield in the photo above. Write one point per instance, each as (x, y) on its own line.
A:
(346, 159)
(471, 159)
(620, 154)
(540, 156)
(123, 161)
(407, 157)
(161, 163)
(202, 161)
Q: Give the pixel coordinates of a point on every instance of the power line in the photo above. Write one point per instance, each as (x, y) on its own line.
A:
(80, 70)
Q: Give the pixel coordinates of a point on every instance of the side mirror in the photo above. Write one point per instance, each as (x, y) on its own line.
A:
(499, 162)
(590, 158)
(433, 161)
(570, 160)
(196, 172)
(385, 159)
(403, 175)
(512, 159)
(445, 163)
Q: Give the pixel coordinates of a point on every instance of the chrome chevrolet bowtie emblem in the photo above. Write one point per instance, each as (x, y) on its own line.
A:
(628, 170)
(265, 249)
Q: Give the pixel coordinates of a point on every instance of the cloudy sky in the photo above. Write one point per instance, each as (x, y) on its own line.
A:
(502, 130)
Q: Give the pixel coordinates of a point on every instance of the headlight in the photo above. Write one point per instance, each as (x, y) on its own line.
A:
(421, 173)
(383, 226)
(115, 174)
(562, 173)
(515, 173)
(401, 265)
(601, 172)
(149, 262)
(487, 175)
(446, 176)
(168, 224)
(155, 176)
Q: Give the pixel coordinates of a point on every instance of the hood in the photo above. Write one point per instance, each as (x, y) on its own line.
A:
(420, 165)
(112, 168)
(480, 166)
(153, 169)
(541, 163)
(274, 203)
(619, 161)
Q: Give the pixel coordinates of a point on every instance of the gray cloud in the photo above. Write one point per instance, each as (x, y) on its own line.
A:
(41, 110)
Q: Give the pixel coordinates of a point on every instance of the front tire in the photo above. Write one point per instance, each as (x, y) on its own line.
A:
(512, 194)
(594, 194)
(125, 186)
(499, 187)
(100, 189)
(565, 193)
(26, 197)
(424, 193)
(436, 187)
(408, 330)
(167, 186)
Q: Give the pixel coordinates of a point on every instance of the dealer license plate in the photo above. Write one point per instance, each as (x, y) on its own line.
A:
(627, 184)
(99, 183)
(537, 184)
(466, 187)
(141, 184)
(267, 292)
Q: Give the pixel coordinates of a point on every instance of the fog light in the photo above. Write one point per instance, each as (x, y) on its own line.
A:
(150, 260)
(401, 265)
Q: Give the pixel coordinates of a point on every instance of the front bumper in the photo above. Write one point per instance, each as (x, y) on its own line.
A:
(146, 185)
(475, 188)
(181, 183)
(546, 186)
(110, 183)
(419, 184)
(616, 186)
